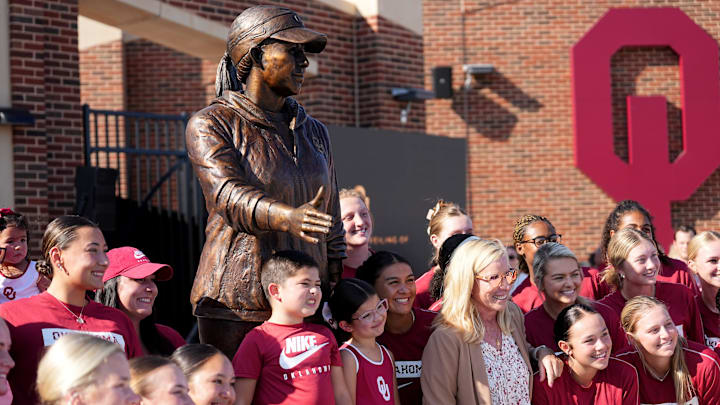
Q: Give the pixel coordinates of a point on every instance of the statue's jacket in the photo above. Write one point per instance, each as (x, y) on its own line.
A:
(243, 168)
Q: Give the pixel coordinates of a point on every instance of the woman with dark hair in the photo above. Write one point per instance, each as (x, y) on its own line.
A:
(368, 367)
(670, 369)
(209, 374)
(129, 285)
(445, 219)
(591, 376)
(630, 214)
(437, 284)
(407, 329)
(73, 256)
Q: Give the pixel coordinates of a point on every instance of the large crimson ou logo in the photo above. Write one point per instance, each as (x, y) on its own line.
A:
(648, 177)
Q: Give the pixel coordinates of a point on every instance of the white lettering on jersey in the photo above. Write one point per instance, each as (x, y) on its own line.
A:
(693, 401)
(408, 369)
(383, 388)
(712, 342)
(51, 335)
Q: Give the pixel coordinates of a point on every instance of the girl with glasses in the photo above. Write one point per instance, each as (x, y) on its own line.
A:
(407, 329)
(368, 367)
(478, 352)
(632, 269)
(559, 277)
(630, 214)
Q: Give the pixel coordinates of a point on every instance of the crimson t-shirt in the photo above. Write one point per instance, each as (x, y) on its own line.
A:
(170, 335)
(675, 271)
(539, 327)
(615, 385)
(39, 321)
(291, 363)
(527, 296)
(711, 324)
(703, 367)
(681, 306)
(422, 289)
(408, 349)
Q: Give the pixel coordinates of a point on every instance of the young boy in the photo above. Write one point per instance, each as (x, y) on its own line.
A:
(285, 360)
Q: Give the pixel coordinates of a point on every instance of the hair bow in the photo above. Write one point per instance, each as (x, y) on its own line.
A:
(6, 211)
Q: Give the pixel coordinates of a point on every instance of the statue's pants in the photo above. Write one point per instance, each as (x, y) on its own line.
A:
(223, 334)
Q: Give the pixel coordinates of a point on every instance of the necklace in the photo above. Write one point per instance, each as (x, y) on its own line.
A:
(657, 377)
(78, 318)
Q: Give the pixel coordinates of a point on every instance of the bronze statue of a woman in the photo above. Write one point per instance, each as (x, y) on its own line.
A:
(266, 171)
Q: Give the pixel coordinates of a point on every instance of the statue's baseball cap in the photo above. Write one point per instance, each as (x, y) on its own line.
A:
(132, 263)
(258, 23)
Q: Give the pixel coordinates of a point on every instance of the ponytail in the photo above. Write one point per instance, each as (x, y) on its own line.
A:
(226, 77)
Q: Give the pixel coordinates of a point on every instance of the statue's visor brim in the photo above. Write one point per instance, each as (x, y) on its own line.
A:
(314, 41)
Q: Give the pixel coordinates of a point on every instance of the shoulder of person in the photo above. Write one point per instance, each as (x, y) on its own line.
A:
(425, 316)
(674, 288)
(702, 352)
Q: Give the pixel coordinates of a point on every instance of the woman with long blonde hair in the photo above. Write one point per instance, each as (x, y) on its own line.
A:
(633, 266)
(670, 369)
(84, 369)
(479, 329)
(703, 254)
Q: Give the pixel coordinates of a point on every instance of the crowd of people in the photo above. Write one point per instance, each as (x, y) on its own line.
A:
(486, 324)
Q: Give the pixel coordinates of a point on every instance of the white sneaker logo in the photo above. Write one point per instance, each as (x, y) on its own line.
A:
(291, 362)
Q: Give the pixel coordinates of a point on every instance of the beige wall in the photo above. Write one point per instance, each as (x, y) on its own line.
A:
(7, 194)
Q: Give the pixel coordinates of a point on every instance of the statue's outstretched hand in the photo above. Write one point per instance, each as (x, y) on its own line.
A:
(307, 218)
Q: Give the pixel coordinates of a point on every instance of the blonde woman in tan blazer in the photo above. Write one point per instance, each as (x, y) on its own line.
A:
(478, 353)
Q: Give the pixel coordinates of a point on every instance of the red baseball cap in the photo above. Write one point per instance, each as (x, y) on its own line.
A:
(132, 263)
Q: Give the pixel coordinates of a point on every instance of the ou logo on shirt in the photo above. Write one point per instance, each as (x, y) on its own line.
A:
(383, 388)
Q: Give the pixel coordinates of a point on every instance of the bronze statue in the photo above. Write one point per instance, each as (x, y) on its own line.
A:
(266, 171)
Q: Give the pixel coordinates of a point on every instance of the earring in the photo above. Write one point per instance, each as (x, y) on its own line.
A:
(63, 269)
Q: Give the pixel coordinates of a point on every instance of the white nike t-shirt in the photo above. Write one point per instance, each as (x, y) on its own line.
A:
(291, 363)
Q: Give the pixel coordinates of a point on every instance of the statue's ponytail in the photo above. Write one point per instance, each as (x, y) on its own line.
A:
(226, 77)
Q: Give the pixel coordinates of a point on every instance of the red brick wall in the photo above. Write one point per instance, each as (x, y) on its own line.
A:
(518, 120)
(44, 80)
(102, 73)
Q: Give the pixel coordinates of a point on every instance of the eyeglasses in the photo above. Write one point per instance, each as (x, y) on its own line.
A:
(541, 240)
(496, 279)
(379, 310)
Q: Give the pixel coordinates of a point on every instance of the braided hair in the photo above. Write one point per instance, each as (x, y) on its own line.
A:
(613, 223)
(521, 226)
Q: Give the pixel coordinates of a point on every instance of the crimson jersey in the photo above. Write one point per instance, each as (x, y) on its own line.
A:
(422, 289)
(711, 324)
(39, 321)
(675, 271)
(539, 327)
(681, 306)
(348, 272)
(374, 379)
(408, 349)
(291, 363)
(704, 369)
(615, 385)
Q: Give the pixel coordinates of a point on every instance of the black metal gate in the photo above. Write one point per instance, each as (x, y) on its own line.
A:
(159, 204)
